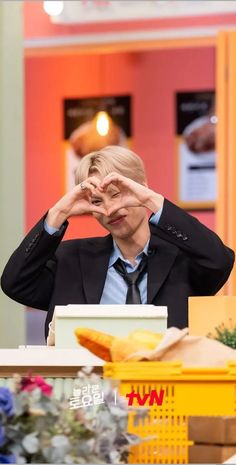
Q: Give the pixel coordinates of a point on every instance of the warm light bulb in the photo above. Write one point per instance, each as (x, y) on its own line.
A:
(53, 7)
(102, 123)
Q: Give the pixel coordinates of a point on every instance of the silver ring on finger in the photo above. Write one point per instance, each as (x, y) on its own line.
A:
(82, 186)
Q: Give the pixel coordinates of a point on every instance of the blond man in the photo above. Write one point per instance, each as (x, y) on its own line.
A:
(161, 260)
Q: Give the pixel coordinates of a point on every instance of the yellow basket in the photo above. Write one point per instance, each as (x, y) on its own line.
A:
(187, 391)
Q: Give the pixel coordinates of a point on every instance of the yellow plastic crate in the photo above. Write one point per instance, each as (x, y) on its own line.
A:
(187, 391)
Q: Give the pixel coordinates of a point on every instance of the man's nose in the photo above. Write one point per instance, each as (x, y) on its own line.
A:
(110, 205)
(109, 202)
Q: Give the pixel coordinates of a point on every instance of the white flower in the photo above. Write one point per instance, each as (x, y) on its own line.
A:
(60, 441)
(31, 443)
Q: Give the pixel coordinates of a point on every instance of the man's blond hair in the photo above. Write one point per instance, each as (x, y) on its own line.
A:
(111, 158)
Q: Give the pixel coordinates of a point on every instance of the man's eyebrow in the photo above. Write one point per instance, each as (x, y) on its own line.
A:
(96, 197)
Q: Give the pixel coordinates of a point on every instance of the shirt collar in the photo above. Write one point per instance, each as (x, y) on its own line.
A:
(116, 253)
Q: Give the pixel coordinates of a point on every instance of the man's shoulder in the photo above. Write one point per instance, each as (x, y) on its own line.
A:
(84, 243)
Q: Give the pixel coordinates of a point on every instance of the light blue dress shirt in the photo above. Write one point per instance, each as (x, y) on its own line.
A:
(115, 288)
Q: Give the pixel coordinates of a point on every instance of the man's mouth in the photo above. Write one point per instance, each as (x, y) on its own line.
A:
(116, 220)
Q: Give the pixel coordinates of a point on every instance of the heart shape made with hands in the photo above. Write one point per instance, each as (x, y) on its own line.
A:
(127, 193)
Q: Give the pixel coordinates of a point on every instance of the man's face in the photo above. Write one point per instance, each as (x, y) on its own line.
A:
(122, 222)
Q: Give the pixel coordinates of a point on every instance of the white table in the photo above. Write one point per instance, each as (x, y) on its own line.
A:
(46, 361)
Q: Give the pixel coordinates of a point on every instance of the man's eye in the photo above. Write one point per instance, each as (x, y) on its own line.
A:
(116, 194)
(96, 202)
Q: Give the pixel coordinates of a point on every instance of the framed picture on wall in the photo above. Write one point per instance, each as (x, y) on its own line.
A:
(90, 124)
(195, 149)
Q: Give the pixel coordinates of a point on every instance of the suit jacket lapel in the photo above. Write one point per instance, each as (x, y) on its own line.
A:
(94, 260)
(160, 261)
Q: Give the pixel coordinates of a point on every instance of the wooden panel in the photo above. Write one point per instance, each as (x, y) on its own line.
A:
(206, 313)
(221, 136)
(231, 199)
(48, 371)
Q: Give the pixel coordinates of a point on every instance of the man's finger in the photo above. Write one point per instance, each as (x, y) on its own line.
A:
(94, 180)
(101, 210)
(109, 180)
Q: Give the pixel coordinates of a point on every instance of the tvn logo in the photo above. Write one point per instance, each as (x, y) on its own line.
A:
(92, 394)
(151, 398)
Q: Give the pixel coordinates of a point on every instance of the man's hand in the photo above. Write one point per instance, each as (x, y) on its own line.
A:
(132, 194)
(75, 203)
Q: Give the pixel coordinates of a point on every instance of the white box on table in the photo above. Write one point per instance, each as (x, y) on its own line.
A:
(118, 320)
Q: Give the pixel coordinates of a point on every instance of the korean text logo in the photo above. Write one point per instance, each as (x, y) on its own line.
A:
(92, 394)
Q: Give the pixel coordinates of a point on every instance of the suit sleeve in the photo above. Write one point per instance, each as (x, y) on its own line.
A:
(210, 260)
(28, 276)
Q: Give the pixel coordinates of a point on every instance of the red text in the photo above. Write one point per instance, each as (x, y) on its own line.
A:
(151, 398)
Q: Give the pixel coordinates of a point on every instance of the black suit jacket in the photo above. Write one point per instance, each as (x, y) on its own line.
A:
(185, 259)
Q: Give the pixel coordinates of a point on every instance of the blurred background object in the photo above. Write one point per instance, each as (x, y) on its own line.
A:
(96, 134)
(92, 123)
(196, 144)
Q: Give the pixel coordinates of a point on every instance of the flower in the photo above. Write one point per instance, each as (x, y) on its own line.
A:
(6, 401)
(2, 436)
(7, 458)
(44, 429)
(30, 383)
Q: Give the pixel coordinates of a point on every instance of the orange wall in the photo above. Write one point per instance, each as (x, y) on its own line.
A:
(152, 78)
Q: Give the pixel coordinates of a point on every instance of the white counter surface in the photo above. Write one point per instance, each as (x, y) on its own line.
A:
(48, 356)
